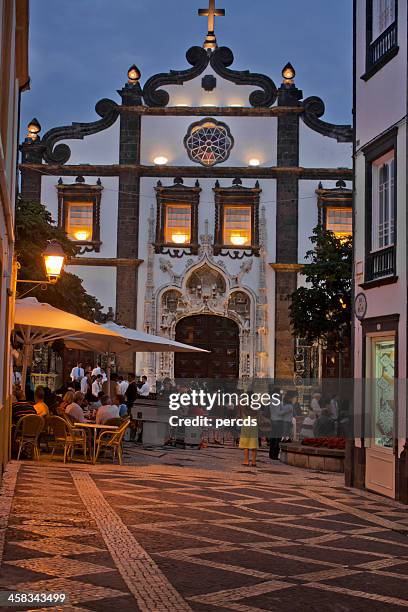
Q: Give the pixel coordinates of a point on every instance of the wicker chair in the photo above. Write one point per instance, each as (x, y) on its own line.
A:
(75, 437)
(78, 437)
(27, 432)
(112, 441)
(62, 439)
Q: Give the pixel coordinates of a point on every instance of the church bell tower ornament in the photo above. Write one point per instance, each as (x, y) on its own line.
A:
(212, 12)
(208, 142)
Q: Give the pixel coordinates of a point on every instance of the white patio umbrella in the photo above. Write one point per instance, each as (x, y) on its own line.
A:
(139, 341)
(142, 342)
(37, 323)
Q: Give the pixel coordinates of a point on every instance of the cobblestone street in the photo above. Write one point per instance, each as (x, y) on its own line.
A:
(194, 530)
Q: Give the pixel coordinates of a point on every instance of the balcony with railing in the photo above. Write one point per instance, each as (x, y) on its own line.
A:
(382, 48)
(380, 264)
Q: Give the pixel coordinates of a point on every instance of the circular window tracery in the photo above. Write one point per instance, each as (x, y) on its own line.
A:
(208, 142)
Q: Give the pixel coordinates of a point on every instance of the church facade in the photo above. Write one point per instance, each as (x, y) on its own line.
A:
(192, 199)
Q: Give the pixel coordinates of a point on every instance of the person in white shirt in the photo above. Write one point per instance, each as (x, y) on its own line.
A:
(77, 373)
(107, 411)
(74, 409)
(97, 370)
(122, 385)
(315, 404)
(86, 383)
(145, 388)
(97, 385)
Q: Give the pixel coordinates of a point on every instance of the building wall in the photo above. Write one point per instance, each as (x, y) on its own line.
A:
(380, 105)
(13, 78)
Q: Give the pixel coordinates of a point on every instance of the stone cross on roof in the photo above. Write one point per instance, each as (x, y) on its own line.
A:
(212, 12)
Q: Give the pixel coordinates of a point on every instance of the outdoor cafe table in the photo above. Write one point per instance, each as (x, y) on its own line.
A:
(94, 427)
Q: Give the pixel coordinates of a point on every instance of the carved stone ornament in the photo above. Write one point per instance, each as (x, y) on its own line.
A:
(54, 153)
(220, 59)
(208, 142)
(314, 109)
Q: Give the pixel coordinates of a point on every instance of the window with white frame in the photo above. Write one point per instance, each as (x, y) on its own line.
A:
(383, 16)
(383, 202)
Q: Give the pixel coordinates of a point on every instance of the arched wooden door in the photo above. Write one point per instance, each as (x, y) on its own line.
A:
(218, 335)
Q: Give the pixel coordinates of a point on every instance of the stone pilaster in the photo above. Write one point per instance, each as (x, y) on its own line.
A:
(31, 179)
(286, 231)
(128, 217)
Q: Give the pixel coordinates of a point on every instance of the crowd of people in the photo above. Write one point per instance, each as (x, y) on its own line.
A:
(275, 423)
(88, 394)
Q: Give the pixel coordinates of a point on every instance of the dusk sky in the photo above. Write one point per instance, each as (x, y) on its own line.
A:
(80, 50)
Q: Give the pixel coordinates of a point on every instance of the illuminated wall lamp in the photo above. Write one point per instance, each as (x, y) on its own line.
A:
(82, 235)
(254, 161)
(239, 240)
(179, 238)
(160, 160)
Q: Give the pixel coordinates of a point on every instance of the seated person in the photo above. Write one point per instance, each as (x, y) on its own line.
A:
(119, 401)
(74, 409)
(20, 407)
(106, 411)
(324, 426)
(40, 406)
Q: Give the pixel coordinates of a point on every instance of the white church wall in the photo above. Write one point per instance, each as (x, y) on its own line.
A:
(318, 151)
(100, 148)
(99, 281)
(225, 93)
(254, 137)
(108, 208)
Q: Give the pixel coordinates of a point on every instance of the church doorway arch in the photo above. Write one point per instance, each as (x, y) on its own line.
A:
(220, 336)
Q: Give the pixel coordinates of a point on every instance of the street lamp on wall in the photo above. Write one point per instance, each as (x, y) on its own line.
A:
(54, 258)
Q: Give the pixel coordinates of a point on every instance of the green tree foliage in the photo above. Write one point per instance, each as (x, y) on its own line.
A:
(34, 227)
(321, 311)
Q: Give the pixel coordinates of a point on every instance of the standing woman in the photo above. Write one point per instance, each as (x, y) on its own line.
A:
(287, 411)
(249, 437)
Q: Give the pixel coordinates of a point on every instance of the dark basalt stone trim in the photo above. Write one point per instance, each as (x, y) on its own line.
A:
(314, 109)
(107, 109)
(220, 171)
(220, 60)
(153, 96)
(213, 111)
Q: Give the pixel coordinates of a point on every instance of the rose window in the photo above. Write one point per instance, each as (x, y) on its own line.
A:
(208, 142)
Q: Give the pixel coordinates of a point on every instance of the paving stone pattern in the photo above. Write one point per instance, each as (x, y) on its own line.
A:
(154, 536)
